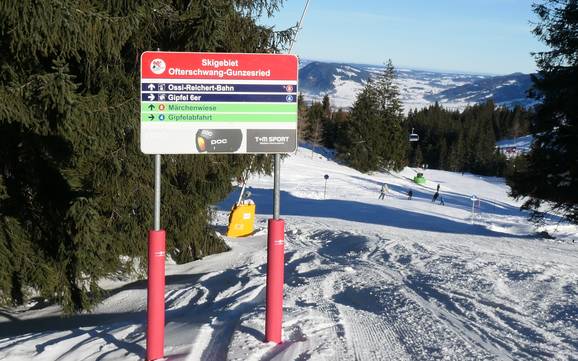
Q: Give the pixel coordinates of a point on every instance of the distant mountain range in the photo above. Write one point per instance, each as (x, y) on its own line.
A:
(419, 88)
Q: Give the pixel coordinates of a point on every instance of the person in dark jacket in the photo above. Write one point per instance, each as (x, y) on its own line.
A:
(409, 194)
(435, 197)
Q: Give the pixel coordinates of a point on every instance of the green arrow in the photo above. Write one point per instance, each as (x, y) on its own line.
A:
(151, 107)
(151, 117)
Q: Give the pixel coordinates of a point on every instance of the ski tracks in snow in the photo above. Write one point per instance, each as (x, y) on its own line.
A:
(383, 298)
(368, 293)
(377, 319)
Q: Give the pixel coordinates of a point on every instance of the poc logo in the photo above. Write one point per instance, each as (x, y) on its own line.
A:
(218, 140)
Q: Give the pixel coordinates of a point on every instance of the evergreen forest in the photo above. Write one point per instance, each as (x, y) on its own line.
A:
(76, 193)
(457, 141)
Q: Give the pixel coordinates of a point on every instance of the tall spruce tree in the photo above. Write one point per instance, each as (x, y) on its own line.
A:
(314, 125)
(360, 134)
(301, 117)
(328, 128)
(550, 174)
(76, 193)
(326, 103)
(395, 143)
(374, 137)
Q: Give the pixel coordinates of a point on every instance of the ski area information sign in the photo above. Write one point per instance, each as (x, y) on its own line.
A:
(195, 103)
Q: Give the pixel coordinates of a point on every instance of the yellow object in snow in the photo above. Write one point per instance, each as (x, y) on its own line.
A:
(241, 220)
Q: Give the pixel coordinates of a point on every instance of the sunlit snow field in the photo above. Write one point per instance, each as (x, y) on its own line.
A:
(365, 279)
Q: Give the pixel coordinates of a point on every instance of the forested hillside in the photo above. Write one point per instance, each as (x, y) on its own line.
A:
(458, 141)
(465, 141)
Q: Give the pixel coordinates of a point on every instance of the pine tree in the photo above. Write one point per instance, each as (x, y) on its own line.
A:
(374, 137)
(442, 161)
(417, 158)
(301, 117)
(550, 172)
(326, 104)
(314, 125)
(330, 124)
(76, 193)
(456, 158)
(394, 143)
(361, 135)
(336, 128)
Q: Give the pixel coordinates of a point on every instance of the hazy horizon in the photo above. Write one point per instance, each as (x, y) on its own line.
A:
(409, 67)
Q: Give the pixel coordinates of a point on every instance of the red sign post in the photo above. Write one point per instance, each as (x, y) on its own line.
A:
(156, 295)
(275, 280)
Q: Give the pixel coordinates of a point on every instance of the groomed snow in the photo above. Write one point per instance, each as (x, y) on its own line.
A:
(365, 279)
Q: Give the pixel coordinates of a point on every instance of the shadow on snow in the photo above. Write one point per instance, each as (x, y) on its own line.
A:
(380, 214)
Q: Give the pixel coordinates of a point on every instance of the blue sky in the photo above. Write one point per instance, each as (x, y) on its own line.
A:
(479, 36)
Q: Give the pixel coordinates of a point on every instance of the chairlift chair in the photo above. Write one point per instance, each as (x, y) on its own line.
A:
(413, 137)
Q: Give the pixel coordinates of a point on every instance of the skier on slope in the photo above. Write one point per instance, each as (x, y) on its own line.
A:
(409, 194)
(384, 190)
(435, 197)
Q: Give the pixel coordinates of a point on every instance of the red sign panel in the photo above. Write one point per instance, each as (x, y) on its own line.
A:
(226, 66)
(195, 103)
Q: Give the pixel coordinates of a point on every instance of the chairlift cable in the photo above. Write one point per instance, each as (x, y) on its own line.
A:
(299, 27)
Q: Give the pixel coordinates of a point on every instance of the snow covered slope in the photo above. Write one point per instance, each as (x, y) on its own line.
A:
(365, 279)
(418, 88)
(507, 90)
(522, 144)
